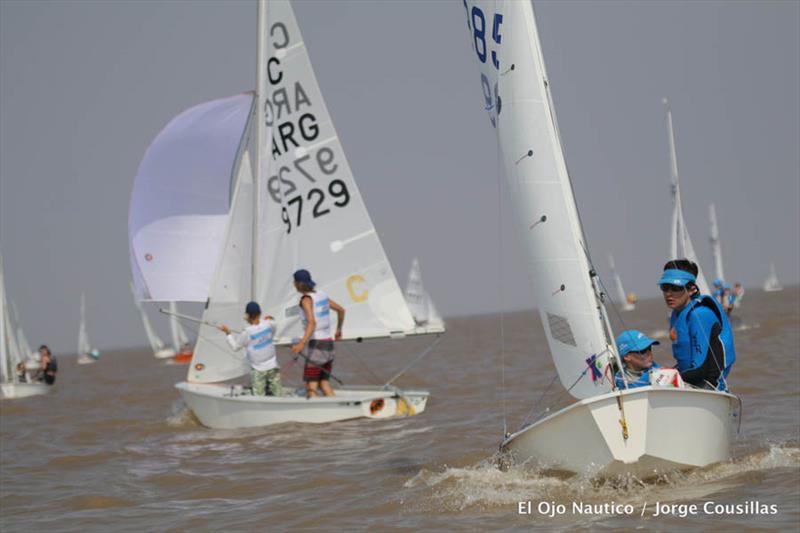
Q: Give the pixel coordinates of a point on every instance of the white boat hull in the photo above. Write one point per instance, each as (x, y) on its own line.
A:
(23, 390)
(226, 407)
(86, 360)
(668, 429)
(164, 353)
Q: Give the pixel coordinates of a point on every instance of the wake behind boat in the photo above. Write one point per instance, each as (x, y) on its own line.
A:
(311, 216)
(607, 431)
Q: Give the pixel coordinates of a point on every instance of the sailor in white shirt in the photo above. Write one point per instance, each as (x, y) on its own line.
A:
(257, 339)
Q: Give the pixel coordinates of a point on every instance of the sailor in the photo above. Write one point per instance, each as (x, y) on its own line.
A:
(315, 313)
(49, 365)
(702, 339)
(636, 351)
(265, 377)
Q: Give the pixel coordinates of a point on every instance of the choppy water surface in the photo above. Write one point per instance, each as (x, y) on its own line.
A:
(113, 447)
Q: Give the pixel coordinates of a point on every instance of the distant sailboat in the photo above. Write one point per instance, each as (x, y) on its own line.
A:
(160, 350)
(180, 341)
(680, 242)
(771, 284)
(12, 384)
(419, 301)
(86, 354)
(623, 301)
(713, 239)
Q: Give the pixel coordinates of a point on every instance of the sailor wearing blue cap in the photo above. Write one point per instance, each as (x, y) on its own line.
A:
(702, 338)
(723, 295)
(636, 351)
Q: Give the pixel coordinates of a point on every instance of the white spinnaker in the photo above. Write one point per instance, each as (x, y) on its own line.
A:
(180, 200)
(716, 247)
(84, 347)
(620, 295)
(419, 301)
(156, 344)
(213, 359)
(313, 216)
(680, 242)
(532, 162)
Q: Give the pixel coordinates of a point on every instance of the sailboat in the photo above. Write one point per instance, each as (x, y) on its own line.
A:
(713, 239)
(623, 300)
(680, 242)
(771, 284)
(606, 431)
(160, 350)
(11, 355)
(311, 215)
(419, 301)
(86, 354)
(183, 350)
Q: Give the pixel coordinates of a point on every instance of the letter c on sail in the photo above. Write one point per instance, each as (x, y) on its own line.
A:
(356, 278)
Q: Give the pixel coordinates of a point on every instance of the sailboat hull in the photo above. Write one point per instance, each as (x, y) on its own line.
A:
(668, 429)
(164, 353)
(23, 390)
(226, 407)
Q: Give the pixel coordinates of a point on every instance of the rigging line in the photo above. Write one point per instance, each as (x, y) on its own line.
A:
(376, 379)
(500, 279)
(538, 401)
(415, 361)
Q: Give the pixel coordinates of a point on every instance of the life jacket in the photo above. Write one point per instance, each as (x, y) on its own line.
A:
(681, 348)
(322, 314)
(53, 366)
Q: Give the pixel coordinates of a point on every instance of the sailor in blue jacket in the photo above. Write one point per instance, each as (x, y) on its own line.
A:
(636, 351)
(702, 339)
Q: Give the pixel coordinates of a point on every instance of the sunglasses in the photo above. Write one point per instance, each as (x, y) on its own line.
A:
(642, 352)
(669, 287)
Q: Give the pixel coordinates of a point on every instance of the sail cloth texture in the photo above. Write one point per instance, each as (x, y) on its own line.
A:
(313, 215)
(180, 200)
(504, 39)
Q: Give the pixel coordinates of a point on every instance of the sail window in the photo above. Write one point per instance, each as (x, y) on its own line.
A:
(560, 329)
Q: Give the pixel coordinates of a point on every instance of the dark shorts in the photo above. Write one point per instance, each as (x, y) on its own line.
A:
(317, 373)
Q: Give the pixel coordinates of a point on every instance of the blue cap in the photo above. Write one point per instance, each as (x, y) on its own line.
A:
(304, 276)
(673, 276)
(718, 282)
(633, 340)
(252, 309)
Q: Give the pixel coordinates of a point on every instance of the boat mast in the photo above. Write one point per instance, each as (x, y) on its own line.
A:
(674, 182)
(261, 94)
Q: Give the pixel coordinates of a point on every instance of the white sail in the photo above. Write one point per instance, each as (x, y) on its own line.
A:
(713, 237)
(517, 98)
(5, 372)
(619, 292)
(309, 215)
(771, 284)
(179, 337)
(84, 347)
(22, 340)
(181, 198)
(680, 242)
(156, 344)
(419, 301)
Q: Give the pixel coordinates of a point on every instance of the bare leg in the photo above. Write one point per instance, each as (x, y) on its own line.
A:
(325, 385)
(311, 388)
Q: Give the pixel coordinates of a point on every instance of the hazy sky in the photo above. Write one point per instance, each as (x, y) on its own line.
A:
(85, 86)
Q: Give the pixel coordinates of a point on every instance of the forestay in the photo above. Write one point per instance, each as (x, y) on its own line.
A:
(504, 38)
(680, 242)
(314, 216)
(180, 200)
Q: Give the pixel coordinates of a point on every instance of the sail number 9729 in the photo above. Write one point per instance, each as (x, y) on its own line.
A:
(337, 189)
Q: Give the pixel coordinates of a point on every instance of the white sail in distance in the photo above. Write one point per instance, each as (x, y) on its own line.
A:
(419, 301)
(619, 292)
(517, 98)
(179, 337)
(84, 347)
(771, 284)
(155, 342)
(680, 242)
(713, 237)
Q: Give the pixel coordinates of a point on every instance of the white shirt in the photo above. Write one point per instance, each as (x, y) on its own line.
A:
(322, 315)
(258, 341)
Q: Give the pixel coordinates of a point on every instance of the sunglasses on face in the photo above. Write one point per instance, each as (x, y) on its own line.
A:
(668, 287)
(642, 352)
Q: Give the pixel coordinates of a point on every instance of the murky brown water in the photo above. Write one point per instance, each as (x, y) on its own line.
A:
(113, 448)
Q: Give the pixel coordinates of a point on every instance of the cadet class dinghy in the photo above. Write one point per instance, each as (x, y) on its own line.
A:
(86, 354)
(606, 432)
(771, 284)
(12, 384)
(310, 215)
(419, 301)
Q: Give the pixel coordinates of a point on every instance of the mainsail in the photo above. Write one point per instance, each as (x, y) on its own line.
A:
(680, 242)
(713, 237)
(180, 200)
(10, 354)
(419, 301)
(84, 347)
(310, 215)
(156, 344)
(179, 338)
(517, 98)
(619, 292)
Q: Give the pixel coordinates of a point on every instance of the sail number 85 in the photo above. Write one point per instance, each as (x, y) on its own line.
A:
(476, 22)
